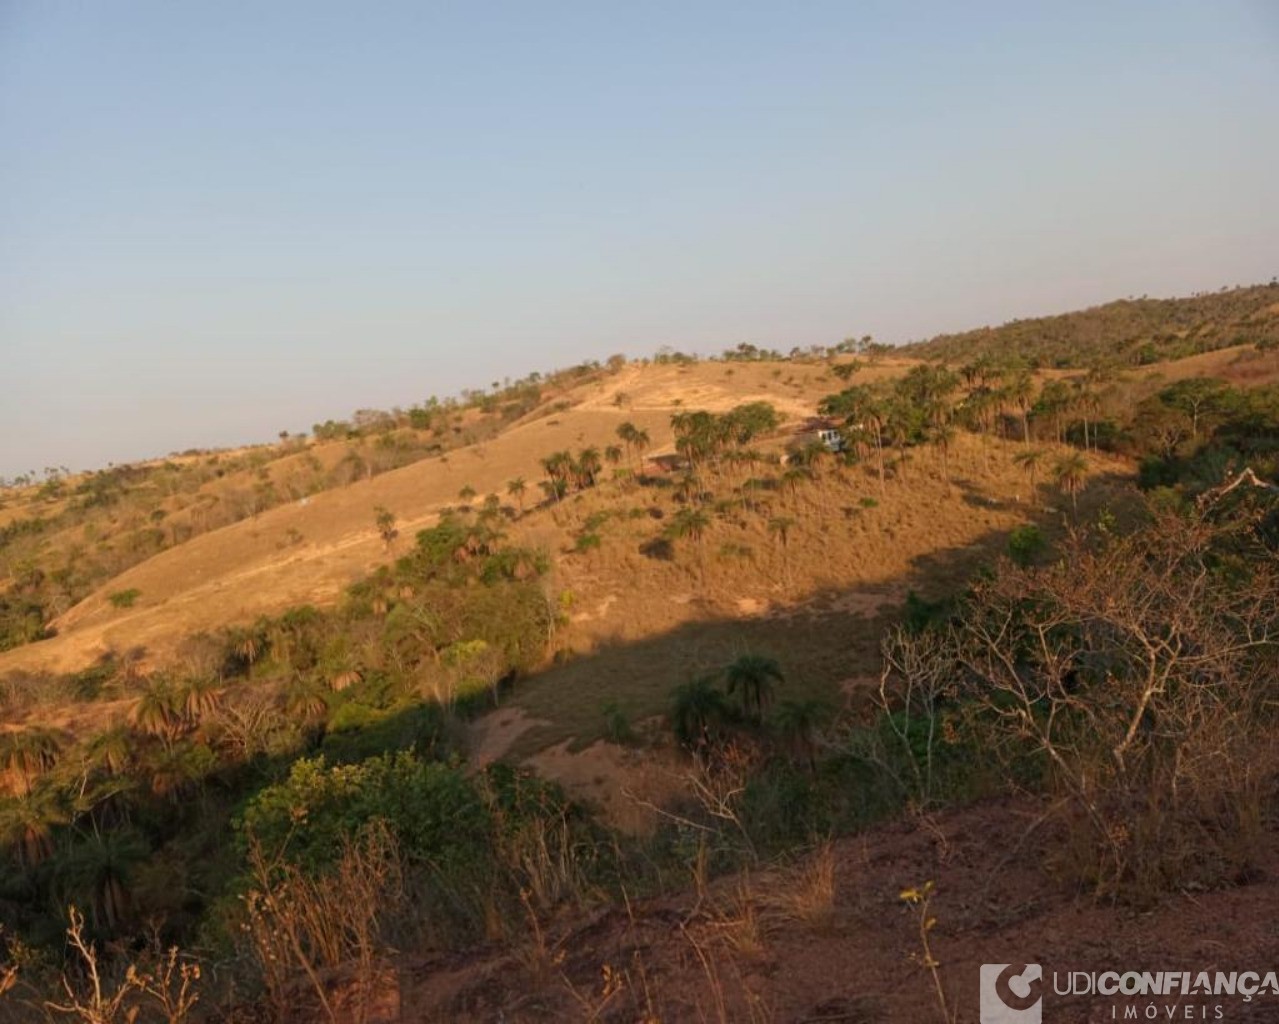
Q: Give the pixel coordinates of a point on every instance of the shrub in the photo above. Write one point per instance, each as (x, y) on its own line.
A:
(617, 724)
(1137, 672)
(1025, 544)
(435, 813)
(124, 598)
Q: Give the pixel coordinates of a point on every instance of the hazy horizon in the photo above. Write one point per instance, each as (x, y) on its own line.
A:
(225, 221)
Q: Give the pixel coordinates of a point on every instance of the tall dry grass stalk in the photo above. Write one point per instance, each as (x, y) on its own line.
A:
(165, 987)
(296, 922)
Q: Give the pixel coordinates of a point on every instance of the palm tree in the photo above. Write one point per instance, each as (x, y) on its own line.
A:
(797, 721)
(1070, 472)
(699, 712)
(1021, 392)
(305, 701)
(628, 434)
(113, 750)
(689, 522)
(176, 770)
(613, 454)
(792, 478)
(636, 441)
(27, 824)
(588, 467)
(943, 436)
(27, 754)
(780, 527)
(1030, 459)
(753, 676)
(197, 698)
(100, 868)
(247, 643)
(515, 489)
(558, 467)
(641, 446)
(158, 712)
(897, 425)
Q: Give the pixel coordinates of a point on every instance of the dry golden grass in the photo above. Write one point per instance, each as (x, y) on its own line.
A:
(256, 566)
(638, 626)
(634, 626)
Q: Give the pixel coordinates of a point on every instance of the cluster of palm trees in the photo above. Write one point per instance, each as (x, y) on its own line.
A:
(1068, 471)
(564, 473)
(704, 716)
(70, 818)
(635, 440)
(922, 408)
(997, 388)
(914, 409)
(704, 436)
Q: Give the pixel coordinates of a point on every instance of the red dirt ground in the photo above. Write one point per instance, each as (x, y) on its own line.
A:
(689, 959)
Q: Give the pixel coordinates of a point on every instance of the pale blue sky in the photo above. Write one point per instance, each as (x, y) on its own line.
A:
(223, 219)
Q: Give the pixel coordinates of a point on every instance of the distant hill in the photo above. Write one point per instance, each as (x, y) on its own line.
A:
(1130, 332)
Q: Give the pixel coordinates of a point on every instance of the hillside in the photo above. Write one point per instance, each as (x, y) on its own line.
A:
(309, 548)
(615, 695)
(1128, 332)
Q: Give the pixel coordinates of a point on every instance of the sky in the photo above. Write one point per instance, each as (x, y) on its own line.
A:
(223, 220)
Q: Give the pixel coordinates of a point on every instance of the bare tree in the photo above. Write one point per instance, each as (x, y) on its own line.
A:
(1136, 673)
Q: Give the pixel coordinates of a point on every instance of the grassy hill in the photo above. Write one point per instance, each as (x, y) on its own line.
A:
(1128, 332)
(503, 688)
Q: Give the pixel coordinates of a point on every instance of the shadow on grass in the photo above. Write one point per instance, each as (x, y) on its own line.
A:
(827, 644)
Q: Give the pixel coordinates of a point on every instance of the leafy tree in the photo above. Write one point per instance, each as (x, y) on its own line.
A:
(384, 519)
(1025, 544)
(434, 810)
(1195, 397)
(746, 422)
(864, 411)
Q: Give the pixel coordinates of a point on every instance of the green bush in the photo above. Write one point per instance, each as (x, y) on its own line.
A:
(124, 598)
(1026, 543)
(617, 724)
(434, 810)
